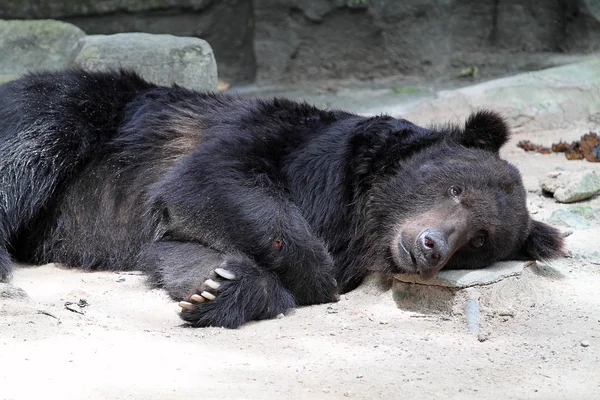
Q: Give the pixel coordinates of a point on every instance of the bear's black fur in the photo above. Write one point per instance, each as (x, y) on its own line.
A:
(276, 203)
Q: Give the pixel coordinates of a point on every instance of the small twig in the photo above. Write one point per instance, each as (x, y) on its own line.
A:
(47, 313)
(506, 314)
(71, 307)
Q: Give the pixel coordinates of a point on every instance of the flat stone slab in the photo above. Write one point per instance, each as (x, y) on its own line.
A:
(501, 286)
(463, 278)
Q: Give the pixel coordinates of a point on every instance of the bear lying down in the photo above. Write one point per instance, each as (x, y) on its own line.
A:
(245, 208)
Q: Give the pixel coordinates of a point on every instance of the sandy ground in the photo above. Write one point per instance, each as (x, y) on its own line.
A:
(128, 342)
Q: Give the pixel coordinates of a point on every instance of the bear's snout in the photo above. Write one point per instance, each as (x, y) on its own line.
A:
(434, 249)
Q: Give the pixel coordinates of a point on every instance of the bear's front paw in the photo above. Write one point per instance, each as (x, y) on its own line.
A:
(212, 286)
(235, 293)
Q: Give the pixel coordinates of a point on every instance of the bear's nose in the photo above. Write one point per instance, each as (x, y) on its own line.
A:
(434, 247)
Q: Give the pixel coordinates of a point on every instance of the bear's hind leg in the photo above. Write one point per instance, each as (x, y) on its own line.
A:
(216, 289)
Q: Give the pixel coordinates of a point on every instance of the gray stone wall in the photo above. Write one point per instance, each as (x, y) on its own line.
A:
(287, 41)
(427, 38)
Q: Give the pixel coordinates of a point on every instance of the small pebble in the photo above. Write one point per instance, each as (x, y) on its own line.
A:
(567, 232)
(585, 343)
(279, 316)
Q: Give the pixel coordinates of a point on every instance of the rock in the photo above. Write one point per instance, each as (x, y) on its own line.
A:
(227, 25)
(498, 286)
(36, 45)
(553, 181)
(593, 257)
(547, 99)
(585, 343)
(8, 291)
(569, 187)
(577, 216)
(54, 45)
(161, 59)
(482, 337)
(463, 278)
(593, 6)
(7, 78)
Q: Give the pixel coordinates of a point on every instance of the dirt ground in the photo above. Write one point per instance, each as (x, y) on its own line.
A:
(128, 342)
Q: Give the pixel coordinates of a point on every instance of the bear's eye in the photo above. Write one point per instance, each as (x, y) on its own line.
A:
(455, 191)
(478, 241)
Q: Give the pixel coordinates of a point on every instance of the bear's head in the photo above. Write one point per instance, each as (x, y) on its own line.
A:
(443, 198)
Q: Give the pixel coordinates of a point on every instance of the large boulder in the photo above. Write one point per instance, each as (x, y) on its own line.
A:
(29, 46)
(226, 25)
(162, 59)
(35, 45)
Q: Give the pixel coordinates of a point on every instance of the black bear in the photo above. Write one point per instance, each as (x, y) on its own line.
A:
(244, 208)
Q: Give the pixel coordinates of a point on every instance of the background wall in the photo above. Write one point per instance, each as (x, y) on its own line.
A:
(279, 41)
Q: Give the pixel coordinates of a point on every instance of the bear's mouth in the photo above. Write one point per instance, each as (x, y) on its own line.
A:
(413, 259)
(404, 255)
(410, 254)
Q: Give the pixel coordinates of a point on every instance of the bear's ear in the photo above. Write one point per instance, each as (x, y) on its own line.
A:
(484, 130)
(544, 242)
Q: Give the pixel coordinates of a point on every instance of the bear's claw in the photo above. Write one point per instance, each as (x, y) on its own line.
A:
(197, 298)
(216, 300)
(208, 295)
(225, 274)
(205, 295)
(186, 306)
(212, 284)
